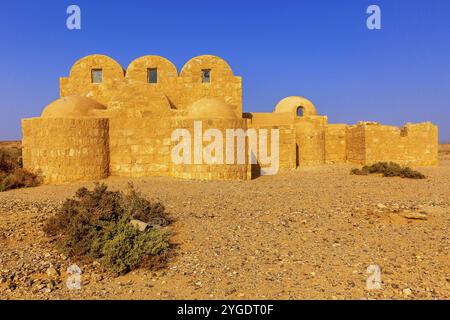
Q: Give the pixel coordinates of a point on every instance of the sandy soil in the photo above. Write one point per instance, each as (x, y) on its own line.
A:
(306, 234)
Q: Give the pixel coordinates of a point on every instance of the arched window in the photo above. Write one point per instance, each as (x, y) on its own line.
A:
(300, 111)
(206, 75)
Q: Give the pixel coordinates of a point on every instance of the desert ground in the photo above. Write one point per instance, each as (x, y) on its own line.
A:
(305, 234)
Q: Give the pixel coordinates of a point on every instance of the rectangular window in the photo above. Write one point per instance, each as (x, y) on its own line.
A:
(206, 75)
(97, 75)
(152, 75)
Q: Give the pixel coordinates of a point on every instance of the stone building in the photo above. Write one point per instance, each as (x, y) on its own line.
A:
(111, 121)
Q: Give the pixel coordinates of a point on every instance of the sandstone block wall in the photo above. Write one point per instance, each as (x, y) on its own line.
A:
(220, 170)
(287, 152)
(139, 147)
(288, 148)
(302, 134)
(224, 85)
(173, 90)
(414, 144)
(336, 143)
(310, 136)
(142, 147)
(66, 150)
(356, 145)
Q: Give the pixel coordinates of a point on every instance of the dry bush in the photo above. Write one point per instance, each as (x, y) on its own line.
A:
(96, 225)
(389, 169)
(12, 175)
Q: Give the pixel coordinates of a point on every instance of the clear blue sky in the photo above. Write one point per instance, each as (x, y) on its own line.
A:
(320, 49)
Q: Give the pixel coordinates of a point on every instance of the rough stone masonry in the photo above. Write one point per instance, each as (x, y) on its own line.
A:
(111, 121)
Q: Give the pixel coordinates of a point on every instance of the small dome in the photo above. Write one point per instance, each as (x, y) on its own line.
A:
(72, 107)
(292, 104)
(210, 108)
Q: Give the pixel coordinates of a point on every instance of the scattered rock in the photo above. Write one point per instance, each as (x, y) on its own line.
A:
(414, 215)
(46, 290)
(139, 225)
(12, 286)
(97, 277)
(52, 272)
(407, 292)
(28, 282)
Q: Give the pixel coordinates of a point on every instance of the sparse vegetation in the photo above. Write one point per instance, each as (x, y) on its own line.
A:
(389, 169)
(12, 175)
(97, 225)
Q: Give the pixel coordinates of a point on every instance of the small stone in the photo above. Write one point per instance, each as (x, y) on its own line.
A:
(96, 277)
(139, 225)
(28, 282)
(41, 286)
(51, 285)
(407, 292)
(414, 215)
(381, 206)
(46, 290)
(52, 272)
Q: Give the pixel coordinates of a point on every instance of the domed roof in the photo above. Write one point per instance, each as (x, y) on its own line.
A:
(291, 104)
(72, 107)
(211, 108)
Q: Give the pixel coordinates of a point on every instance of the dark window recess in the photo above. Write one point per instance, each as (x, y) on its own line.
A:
(300, 112)
(152, 75)
(206, 75)
(97, 75)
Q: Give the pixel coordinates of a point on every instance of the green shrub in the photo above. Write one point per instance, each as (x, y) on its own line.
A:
(129, 247)
(389, 169)
(96, 225)
(12, 175)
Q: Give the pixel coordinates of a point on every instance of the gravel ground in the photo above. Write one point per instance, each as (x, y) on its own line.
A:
(306, 234)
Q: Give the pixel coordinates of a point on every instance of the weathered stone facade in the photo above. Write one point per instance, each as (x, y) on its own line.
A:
(109, 121)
